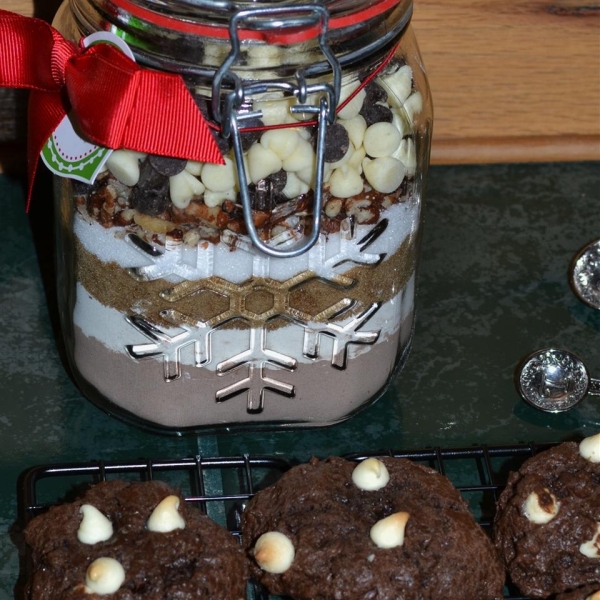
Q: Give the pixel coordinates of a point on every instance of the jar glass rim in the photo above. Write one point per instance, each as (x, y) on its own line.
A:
(210, 18)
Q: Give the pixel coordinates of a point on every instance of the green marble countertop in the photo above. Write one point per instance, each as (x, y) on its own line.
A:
(493, 286)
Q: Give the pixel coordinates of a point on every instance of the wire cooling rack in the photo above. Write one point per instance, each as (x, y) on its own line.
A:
(222, 486)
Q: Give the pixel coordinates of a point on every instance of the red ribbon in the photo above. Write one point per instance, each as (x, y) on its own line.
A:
(117, 103)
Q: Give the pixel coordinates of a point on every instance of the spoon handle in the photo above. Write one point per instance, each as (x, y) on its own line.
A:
(594, 387)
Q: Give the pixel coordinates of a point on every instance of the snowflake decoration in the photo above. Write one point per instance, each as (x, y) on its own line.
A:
(256, 357)
(343, 336)
(197, 272)
(170, 346)
(176, 259)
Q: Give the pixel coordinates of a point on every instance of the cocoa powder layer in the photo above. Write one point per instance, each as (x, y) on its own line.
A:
(322, 393)
(214, 300)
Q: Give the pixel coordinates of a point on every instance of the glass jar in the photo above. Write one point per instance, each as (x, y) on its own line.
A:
(277, 289)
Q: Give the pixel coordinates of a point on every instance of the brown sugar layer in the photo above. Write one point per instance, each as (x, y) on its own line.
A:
(256, 301)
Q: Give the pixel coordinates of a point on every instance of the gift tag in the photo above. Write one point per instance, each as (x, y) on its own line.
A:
(66, 153)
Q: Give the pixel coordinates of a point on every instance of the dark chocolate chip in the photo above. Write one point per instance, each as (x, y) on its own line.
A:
(204, 106)
(337, 142)
(151, 195)
(376, 113)
(82, 189)
(249, 137)
(223, 142)
(375, 93)
(394, 65)
(167, 166)
(278, 180)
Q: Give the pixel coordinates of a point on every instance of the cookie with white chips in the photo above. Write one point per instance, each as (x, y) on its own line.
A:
(381, 529)
(547, 525)
(132, 540)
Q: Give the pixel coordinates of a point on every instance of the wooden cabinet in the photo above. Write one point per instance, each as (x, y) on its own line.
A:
(512, 80)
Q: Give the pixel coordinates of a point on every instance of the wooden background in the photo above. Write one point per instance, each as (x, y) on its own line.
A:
(512, 80)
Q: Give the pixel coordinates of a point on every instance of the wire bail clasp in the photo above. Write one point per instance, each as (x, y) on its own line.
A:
(230, 114)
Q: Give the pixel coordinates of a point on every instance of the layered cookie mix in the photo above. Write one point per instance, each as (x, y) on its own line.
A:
(126, 540)
(547, 525)
(198, 328)
(385, 528)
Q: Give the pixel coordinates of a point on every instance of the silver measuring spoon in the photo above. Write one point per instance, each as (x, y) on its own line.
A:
(555, 380)
(585, 274)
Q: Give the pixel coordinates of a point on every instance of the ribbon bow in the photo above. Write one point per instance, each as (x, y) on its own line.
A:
(117, 103)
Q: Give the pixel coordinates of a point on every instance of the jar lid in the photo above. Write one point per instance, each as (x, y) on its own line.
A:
(210, 18)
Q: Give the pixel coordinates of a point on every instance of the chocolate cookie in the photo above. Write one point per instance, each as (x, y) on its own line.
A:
(589, 592)
(547, 525)
(128, 541)
(380, 530)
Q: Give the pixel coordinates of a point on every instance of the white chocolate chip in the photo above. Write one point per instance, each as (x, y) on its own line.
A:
(308, 174)
(400, 122)
(94, 526)
(274, 552)
(356, 127)
(413, 105)
(591, 548)
(274, 110)
(589, 448)
(104, 576)
(381, 139)
(281, 141)
(294, 186)
(407, 155)
(165, 517)
(215, 53)
(262, 55)
(400, 84)
(212, 199)
(194, 167)
(302, 157)
(357, 158)
(389, 532)
(370, 474)
(219, 178)
(345, 182)
(384, 174)
(538, 514)
(353, 107)
(124, 165)
(183, 187)
(371, 557)
(311, 100)
(262, 162)
(594, 596)
(304, 133)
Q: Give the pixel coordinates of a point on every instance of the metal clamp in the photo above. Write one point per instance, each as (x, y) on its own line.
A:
(324, 112)
(230, 114)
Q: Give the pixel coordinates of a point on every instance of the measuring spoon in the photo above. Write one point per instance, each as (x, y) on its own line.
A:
(554, 380)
